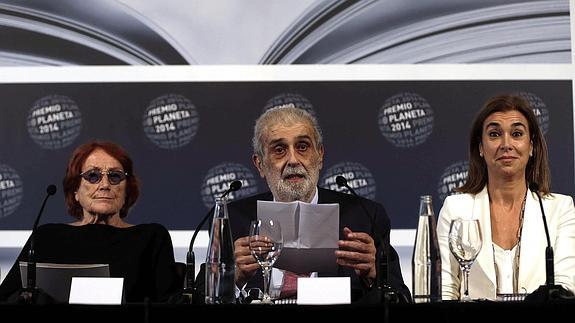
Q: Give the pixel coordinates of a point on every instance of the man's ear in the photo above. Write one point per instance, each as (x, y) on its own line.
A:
(258, 163)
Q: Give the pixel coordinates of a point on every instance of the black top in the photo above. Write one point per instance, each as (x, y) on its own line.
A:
(142, 254)
(352, 214)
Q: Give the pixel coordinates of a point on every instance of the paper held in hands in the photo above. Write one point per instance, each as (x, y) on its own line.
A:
(310, 233)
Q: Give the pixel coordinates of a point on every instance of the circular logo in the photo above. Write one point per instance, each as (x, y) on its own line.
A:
(539, 109)
(405, 120)
(219, 178)
(171, 121)
(293, 100)
(54, 121)
(453, 176)
(358, 177)
(11, 190)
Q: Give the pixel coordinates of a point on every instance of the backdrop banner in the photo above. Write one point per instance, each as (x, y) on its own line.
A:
(392, 140)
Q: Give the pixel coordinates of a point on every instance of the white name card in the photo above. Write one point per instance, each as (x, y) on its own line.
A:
(96, 290)
(323, 290)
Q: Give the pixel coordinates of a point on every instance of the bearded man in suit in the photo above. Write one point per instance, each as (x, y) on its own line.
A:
(288, 153)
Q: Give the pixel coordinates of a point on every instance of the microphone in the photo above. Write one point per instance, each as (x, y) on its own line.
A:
(342, 182)
(548, 291)
(381, 257)
(29, 294)
(191, 257)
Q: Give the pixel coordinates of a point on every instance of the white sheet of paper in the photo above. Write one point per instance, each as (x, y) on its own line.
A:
(323, 290)
(310, 233)
(96, 290)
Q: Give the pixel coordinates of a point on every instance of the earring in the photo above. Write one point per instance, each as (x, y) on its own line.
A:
(481, 154)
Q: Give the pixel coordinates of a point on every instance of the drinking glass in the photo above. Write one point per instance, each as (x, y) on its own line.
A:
(266, 243)
(465, 244)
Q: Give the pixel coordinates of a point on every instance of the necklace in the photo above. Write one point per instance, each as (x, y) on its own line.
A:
(517, 251)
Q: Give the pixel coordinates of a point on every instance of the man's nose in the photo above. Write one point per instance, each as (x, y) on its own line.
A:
(293, 157)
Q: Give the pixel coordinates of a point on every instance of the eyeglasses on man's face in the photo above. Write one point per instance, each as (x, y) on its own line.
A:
(94, 176)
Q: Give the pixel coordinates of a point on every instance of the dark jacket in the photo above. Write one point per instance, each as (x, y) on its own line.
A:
(142, 254)
(352, 215)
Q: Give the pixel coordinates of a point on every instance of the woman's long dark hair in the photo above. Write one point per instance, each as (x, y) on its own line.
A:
(537, 170)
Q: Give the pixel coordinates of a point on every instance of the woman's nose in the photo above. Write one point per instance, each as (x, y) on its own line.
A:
(505, 142)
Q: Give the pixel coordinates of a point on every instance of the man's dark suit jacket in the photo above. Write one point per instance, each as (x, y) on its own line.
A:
(352, 215)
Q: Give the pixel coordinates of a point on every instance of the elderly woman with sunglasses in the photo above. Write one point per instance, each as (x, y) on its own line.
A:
(100, 187)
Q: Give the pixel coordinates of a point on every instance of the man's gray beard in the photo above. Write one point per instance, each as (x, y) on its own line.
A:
(285, 191)
(288, 192)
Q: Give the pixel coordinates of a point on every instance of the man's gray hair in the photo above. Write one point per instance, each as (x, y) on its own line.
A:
(285, 116)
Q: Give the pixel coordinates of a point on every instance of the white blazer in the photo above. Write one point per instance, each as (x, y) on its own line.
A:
(560, 214)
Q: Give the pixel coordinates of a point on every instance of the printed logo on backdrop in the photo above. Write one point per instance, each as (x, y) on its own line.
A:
(293, 100)
(171, 121)
(11, 190)
(453, 176)
(539, 109)
(358, 177)
(218, 180)
(54, 121)
(406, 120)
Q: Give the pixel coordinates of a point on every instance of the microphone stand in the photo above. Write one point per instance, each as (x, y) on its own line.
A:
(190, 289)
(385, 294)
(549, 291)
(30, 293)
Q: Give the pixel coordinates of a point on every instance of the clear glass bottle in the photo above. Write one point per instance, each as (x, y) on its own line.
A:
(220, 261)
(426, 261)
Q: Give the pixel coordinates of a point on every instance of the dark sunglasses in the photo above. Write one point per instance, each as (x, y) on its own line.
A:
(94, 176)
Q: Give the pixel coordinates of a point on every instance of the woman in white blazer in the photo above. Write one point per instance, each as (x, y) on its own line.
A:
(507, 153)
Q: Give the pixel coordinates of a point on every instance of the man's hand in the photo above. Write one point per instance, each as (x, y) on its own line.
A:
(357, 251)
(246, 265)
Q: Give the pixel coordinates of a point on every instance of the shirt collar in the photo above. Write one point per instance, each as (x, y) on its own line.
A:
(315, 197)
